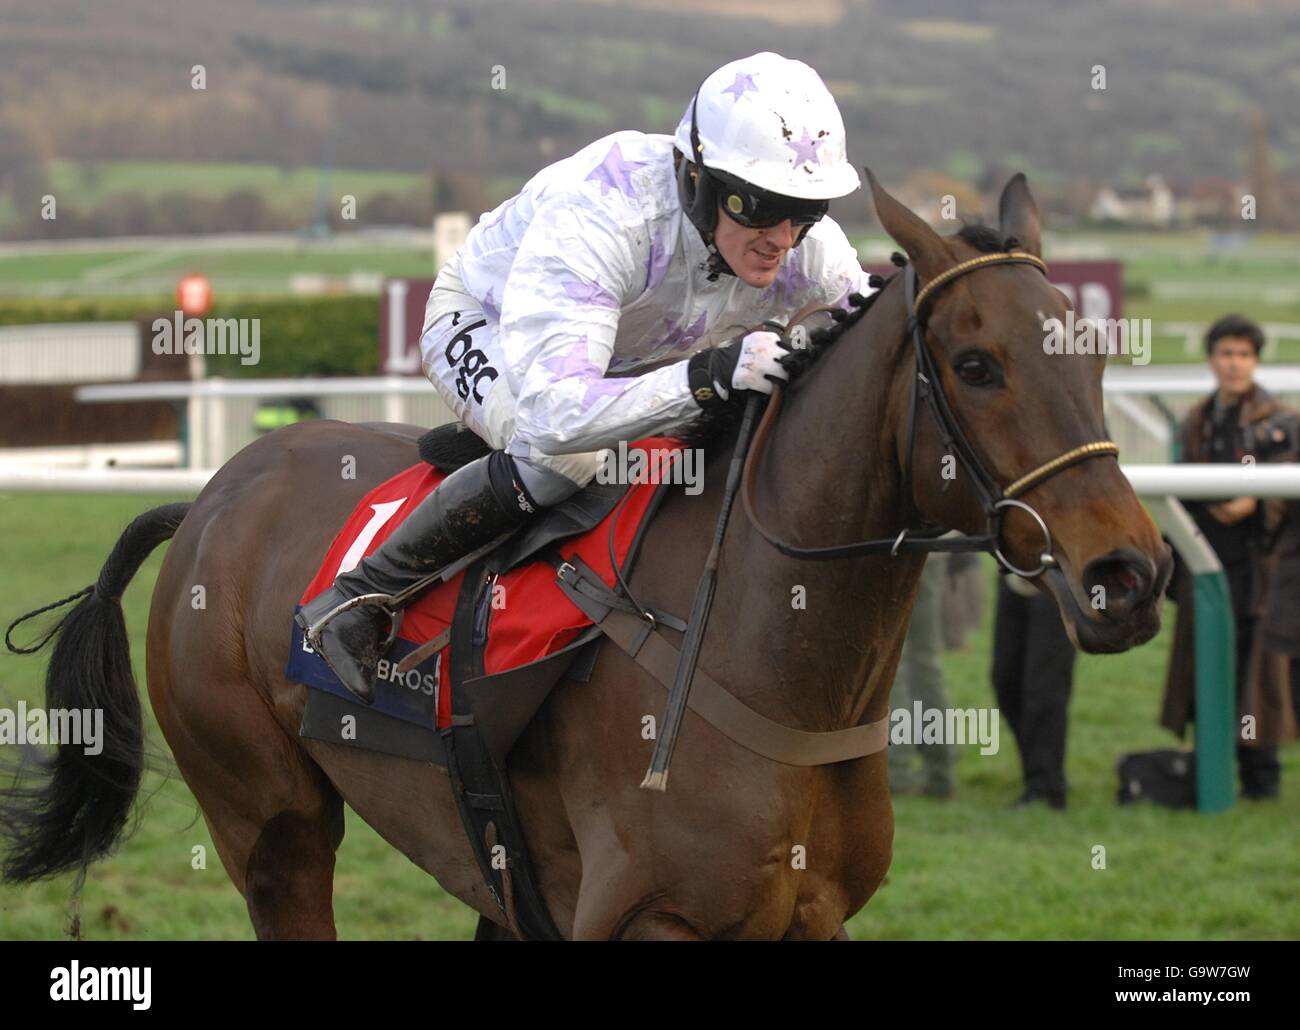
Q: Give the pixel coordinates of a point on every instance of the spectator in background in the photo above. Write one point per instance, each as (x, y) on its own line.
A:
(1033, 675)
(1238, 422)
(1280, 630)
(920, 678)
(963, 600)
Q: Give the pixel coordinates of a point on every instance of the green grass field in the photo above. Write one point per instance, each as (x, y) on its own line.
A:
(153, 275)
(1184, 277)
(88, 183)
(1176, 277)
(290, 192)
(970, 867)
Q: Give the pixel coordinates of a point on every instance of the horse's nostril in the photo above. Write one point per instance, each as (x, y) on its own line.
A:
(1119, 582)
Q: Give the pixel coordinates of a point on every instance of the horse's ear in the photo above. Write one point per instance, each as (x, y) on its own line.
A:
(924, 246)
(1018, 215)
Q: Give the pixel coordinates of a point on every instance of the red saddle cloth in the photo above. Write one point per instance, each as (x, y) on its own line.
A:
(529, 615)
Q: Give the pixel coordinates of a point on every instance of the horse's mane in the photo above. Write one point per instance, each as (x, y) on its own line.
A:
(712, 425)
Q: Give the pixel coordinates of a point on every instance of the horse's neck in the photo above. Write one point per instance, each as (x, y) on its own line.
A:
(829, 632)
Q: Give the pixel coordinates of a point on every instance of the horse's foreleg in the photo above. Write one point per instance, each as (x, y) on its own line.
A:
(490, 931)
(659, 926)
(618, 905)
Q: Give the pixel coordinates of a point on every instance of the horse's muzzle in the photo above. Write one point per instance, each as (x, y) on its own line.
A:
(1117, 602)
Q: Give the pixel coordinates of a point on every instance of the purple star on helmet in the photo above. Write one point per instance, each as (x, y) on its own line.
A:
(615, 173)
(590, 293)
(682, 337)
(660, 258)
(576, 363)
(490, 307)
(744, 84)
(805, 150)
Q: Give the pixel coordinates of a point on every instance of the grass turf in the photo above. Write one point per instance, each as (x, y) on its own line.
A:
(970, 867)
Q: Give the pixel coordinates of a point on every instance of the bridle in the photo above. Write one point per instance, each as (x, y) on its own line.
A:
(927, 384)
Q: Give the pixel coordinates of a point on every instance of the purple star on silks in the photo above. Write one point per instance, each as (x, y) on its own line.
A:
(789, 283)
(744, 84)
(490, 306)
(682, 337)
(660, 258)
(501, 213)
(590, 293)
(506, 207)
(573, 362)
(614, 173)
(576, 363)
(806, 149)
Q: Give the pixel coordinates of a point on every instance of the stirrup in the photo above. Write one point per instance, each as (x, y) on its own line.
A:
(393, 604)
(386, 602)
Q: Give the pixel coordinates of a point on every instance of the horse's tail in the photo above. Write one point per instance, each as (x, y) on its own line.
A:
(78, 808)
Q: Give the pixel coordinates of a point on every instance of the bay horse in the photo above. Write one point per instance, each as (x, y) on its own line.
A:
(711, 857)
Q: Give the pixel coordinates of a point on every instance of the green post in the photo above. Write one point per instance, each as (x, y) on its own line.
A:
(1216, 660)
(1216, 675)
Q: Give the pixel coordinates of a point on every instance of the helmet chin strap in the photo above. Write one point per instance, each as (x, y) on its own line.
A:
(716, 265)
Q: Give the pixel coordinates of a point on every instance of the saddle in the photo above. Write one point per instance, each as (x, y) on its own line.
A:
(467, 674)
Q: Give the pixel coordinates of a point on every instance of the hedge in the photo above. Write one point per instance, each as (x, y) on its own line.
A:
(299, 336)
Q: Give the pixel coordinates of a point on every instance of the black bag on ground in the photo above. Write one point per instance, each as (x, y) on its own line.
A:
(1165, 777)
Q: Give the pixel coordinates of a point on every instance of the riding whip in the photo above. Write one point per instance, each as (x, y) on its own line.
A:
(656, 777)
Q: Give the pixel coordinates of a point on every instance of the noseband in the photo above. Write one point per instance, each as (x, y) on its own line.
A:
(927, 384)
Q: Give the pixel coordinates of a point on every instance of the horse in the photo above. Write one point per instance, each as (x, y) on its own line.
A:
(712, 856)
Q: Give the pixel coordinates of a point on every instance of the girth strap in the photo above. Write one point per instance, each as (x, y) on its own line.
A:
(708, 698)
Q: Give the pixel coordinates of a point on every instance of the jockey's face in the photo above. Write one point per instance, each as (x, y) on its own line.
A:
(753, 254)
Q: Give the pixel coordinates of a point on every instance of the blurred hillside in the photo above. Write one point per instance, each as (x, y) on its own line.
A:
(405, 86)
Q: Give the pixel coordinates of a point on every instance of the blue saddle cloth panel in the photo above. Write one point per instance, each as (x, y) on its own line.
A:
(412, 698)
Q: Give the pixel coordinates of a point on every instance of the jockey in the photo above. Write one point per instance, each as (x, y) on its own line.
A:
(639, 250)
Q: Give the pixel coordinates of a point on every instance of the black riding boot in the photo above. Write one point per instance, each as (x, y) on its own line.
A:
(469, 508)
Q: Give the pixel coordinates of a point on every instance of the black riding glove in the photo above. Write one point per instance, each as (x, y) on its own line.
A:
(752, 362)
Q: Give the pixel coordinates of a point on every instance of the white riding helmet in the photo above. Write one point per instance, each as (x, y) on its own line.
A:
(771, 122)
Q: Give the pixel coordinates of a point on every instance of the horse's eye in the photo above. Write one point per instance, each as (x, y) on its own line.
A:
(974, 370)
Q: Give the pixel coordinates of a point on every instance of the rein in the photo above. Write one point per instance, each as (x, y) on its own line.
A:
(927, 384)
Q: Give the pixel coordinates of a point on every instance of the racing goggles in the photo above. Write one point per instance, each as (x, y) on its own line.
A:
(758, 209)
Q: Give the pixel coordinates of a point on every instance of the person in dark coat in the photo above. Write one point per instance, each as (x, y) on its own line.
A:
(1239, 422)
(1280, 630)
(1033, 675)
